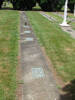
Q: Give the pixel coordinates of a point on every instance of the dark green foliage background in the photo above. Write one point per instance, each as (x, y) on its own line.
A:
(51, 5)
(71, 5)
(23, 4)
(46, 5)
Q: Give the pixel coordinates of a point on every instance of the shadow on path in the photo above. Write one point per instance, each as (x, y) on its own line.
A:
(69, 90)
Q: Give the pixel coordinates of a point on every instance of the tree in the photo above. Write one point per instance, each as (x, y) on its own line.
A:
(23, 4)
(1, 2)
(46, 5)
(60, 4)
(71, 5)
(51, 5)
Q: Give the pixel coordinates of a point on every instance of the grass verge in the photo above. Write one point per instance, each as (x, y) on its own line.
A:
(9, 26)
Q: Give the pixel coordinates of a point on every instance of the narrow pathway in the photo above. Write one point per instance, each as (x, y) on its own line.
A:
(38, 81)
(68, 29)
(47, 16)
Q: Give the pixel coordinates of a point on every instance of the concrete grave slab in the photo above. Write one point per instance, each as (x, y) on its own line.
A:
(27, 32)
(38, 72)
(29, 39)
(26, 26)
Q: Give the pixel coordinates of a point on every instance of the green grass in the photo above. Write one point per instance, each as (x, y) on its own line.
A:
(37, 7)
(59, 46)
(60, 19)
(9, 26)
(70, 15)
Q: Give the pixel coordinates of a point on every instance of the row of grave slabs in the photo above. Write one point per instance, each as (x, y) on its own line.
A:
(27, 32)
(37, 72)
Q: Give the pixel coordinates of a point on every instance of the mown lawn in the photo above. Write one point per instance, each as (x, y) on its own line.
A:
(9, 33)
(59, 46)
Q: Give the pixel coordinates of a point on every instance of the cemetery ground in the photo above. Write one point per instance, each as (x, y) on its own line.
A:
(9, 34)
(59, 47)
(59, 18)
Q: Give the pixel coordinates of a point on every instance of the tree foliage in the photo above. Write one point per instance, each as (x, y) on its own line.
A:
(51, 5)
(1, 2)
(46, 5)
(23, 4)
(71, 5)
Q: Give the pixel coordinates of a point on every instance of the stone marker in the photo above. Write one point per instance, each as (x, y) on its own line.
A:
(27, 32)
(38, 72)
(29, 39)
(26, 26)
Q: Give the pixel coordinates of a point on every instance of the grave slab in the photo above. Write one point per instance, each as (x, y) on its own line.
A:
(27, 32)
(38, 72)
(26, 26)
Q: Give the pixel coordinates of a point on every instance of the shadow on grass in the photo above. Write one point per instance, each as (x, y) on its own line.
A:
(6, 8)
(34, 9)
(69, 90)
